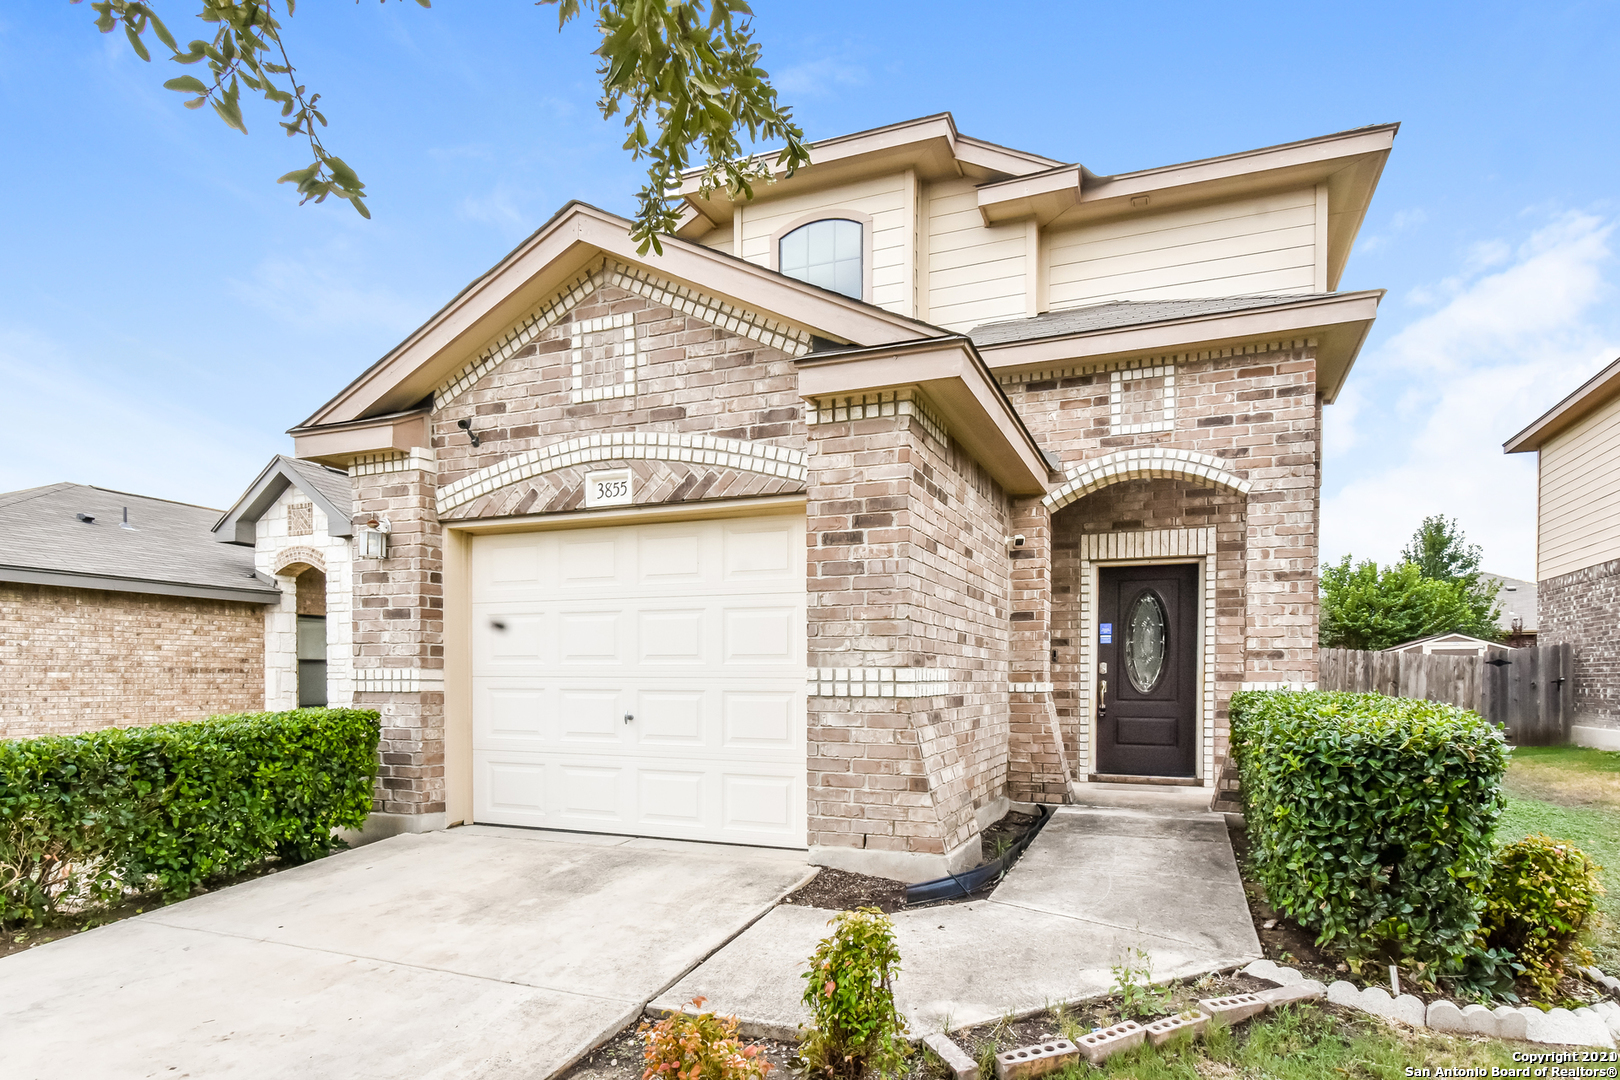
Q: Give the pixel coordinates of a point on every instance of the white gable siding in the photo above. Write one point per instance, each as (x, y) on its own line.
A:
(883, 198)
(1262, 245)
(975, 274)
(1580, 496)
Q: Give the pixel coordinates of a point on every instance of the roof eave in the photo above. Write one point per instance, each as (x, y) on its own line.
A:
(30, 575)
(1339, 322)
(1591, 395)
(238, 524)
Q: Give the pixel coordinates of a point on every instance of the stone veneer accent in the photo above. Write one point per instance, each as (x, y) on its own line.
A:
(1582, 608)
(282, 553)
(76, 660)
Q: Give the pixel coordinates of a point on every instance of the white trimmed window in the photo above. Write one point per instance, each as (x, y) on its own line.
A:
(825, 253)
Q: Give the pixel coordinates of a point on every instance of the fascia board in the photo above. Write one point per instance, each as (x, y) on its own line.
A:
(1349, 316)
(1002, 159)
(963, 392)
(1329, 148)
(62, 579)
(1590, 396)
(1043, 196)
(544, 262)
(340, 444)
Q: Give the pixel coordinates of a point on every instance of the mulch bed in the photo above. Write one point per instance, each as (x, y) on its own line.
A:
(840, 890)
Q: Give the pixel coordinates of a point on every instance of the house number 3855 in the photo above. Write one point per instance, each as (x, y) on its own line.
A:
(612, 488)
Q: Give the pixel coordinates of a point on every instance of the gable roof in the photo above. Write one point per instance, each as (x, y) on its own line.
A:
(1448, 638)
(167, 550)
(576, 239)
(327, 488)
(1584, 400)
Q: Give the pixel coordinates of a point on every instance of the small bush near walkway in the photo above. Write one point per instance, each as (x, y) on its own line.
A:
(87, 819)
(1542, 892)
(1370, 820)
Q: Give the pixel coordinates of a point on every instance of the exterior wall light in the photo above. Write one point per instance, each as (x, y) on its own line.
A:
(374, 538)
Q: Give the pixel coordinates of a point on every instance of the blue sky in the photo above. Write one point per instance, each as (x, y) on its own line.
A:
(167, 311)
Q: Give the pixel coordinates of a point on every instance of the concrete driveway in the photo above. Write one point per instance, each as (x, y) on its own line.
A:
(478, 952)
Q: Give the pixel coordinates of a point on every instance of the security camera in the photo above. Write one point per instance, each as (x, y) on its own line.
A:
(1016, 541)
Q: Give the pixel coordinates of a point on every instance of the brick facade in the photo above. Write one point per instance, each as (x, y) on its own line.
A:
(947, 669)
(75, 660)
(1582, 609)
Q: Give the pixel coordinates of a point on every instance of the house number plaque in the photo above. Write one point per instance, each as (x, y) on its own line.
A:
(612, 488)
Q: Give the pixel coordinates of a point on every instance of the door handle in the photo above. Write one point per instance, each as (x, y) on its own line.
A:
(628, 718)
(1102, 697)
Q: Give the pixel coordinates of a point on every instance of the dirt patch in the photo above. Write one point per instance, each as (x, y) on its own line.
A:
(1573, 776)
(1002, 834)
(840, 890)
(15, 939)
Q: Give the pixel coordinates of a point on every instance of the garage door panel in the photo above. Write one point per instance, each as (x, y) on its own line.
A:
(681, 797)
(591, 637)
(693, 629)
(674, 636)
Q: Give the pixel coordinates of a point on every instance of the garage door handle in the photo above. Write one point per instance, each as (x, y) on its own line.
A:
(628, 718)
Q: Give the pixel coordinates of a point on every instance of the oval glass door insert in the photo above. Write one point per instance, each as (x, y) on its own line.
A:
(1145, 641)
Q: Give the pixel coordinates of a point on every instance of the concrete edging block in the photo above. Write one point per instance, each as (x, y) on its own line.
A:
(1234, 1008)
(1104, 1043)
(1189, 1025)
(1024, 1062)
(955, 1058)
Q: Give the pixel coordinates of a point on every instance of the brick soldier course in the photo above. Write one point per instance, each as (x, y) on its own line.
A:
(960, 493)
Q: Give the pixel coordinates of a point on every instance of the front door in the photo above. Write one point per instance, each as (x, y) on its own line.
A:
(1147, 681)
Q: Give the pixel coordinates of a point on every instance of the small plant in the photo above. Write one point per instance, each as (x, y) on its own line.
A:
(854, 1026)
(1133, 984)
(700, 1047)
(1540, 893)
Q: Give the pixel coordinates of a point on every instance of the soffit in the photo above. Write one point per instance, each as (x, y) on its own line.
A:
(958, 386)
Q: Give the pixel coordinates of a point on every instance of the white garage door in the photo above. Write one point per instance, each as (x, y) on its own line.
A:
(643, 679)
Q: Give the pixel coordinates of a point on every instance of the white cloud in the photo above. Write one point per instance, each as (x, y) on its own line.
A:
(322, 290)
(818, 77)
(1401, 221)
(1420, 430)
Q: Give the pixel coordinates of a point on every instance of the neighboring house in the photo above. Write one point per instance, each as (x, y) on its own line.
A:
(1517, 600)
(1577, 446)
(814, 529)
(296, 517)
(118, 609)
(1451, 645)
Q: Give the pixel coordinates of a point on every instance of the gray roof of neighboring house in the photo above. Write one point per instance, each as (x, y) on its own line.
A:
(327, 488)
(1518, 600)
(1117, 313)
(167, 550)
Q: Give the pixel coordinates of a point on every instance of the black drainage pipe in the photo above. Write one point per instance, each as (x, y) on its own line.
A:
(956, 886)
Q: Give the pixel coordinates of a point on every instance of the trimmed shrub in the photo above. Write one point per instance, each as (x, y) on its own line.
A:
(854, 1026)
(700, 1047)
(1370, 821)
(1540, 893)
(88, 819)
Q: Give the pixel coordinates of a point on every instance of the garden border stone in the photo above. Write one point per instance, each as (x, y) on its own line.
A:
(1586, 1026)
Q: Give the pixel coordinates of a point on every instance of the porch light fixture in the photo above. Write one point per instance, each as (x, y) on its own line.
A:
(374, 538)
(472, 436)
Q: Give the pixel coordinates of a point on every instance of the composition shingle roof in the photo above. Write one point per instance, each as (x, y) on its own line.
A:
(167, 545)
(1118, 313)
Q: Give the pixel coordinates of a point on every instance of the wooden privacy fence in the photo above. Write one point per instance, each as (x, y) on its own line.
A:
(1524, 691)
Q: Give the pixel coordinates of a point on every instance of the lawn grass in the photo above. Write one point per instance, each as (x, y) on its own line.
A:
(1572, 793)
(1302, 1043)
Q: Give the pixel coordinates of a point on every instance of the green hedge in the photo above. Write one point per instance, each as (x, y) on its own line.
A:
(1370, 820)
(84, 819)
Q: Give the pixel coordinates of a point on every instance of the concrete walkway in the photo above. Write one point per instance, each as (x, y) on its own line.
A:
(1096, 883)
(477, 952)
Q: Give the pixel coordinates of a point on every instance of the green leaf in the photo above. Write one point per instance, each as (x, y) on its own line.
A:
(136, 43)
(187, 84)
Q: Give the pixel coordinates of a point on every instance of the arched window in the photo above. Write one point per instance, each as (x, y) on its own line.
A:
(825, 253)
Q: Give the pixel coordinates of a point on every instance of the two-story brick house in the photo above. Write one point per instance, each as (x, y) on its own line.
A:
(936, 475)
